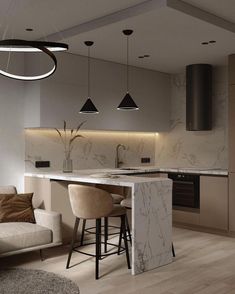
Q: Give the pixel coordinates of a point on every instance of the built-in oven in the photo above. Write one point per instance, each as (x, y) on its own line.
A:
(186, 190)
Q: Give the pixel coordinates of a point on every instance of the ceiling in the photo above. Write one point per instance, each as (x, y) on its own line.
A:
(171, 36)
(224, 8)
(51, 16)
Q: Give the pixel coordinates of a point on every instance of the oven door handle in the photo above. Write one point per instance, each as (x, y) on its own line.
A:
(183, 182)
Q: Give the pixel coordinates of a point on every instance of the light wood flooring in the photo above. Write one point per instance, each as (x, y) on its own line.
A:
(205, 263)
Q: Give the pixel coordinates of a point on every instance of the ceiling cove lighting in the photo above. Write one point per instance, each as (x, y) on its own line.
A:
(127, 102)
(16, 45)
(89, 106)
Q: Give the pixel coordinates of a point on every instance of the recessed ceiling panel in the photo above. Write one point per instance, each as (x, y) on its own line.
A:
(51, 16)
(171, 38)
(221, 8)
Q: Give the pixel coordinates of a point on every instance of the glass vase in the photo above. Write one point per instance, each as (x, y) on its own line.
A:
(67, 165)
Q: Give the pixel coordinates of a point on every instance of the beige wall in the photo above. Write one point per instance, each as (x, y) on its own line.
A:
(11, 125)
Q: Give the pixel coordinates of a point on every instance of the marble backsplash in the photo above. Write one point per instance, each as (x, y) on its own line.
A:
(95, 150)
(206, 149)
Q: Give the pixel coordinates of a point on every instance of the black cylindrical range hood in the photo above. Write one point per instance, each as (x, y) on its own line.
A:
(199, 97)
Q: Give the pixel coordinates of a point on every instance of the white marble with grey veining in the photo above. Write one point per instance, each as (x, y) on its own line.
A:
(151, 213)
(152, 225)
(133, 170)
(201, 171)
(201, 149)
(94, 150)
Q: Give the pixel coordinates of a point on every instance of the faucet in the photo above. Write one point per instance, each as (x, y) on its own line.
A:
(117, 160)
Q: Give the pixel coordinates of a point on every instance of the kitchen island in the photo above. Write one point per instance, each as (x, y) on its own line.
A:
(151, 208)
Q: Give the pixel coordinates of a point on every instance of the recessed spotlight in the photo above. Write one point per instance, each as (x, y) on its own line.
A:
(204, 43)
(29, 29)
(212, 41)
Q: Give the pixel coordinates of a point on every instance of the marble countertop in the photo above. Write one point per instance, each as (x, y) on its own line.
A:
(196, 170)
(97, 176)
(119, 176)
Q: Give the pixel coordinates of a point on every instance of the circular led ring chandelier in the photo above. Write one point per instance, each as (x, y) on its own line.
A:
(15, 45)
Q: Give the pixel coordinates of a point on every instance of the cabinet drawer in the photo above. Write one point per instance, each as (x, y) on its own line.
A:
(214, 202)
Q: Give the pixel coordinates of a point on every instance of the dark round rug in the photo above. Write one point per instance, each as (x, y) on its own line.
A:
(24, 281)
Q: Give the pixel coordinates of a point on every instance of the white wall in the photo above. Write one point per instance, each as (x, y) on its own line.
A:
(11, 130)
(208, 149)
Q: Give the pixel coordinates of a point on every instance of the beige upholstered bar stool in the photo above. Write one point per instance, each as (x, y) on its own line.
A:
(117, 196)
(128, 205)
(93, 203)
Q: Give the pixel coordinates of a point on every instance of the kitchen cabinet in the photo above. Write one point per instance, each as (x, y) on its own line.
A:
(60, 97)
(214, 202)
(231, 128)
(232, 202)
(231, 140)
(186, 217)
(231, 69)
(213, 212)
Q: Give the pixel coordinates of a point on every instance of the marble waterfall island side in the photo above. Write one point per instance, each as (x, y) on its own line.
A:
(151, 210)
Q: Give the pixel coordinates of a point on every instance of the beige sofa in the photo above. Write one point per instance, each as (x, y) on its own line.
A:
(19, 237)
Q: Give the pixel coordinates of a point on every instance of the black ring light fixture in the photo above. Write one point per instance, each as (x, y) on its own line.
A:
(16, 45)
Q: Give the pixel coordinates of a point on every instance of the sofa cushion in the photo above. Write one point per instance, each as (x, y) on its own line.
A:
(16, 208)
(8, 190)
(19, 235)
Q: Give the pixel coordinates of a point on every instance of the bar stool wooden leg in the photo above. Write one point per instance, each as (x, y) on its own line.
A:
(123, 226)
(106, 233)
(75, 229)
(128, 230)
(98, 247)
(120, 239)
(83, 232)
(41, 255)
(173, 250)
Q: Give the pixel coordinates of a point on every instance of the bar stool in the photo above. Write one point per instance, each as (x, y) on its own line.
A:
(117, 198)
(93, 203)
(128, 205)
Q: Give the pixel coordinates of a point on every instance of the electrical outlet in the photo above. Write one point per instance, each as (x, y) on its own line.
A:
(42, 163)
(145, 159)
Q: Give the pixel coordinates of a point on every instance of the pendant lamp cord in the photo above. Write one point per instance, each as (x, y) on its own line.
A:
(88, 72)
(127, 64)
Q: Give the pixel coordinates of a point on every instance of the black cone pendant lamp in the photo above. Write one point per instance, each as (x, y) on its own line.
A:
(89, 106)
(127, 102)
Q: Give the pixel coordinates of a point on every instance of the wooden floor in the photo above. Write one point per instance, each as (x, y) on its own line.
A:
(205, 263)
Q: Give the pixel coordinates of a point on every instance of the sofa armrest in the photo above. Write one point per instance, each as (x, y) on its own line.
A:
(50, 220)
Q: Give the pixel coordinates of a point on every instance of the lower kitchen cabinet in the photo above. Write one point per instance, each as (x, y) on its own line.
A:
(232, 202)
(186, 217)
(213, 212)
(214, 202)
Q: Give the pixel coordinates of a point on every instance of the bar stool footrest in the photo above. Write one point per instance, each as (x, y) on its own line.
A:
(103, 255)
(88, 230)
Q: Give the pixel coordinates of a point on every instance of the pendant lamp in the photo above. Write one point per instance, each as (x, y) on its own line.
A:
(89, 106)
(16, 45)
(127, 102)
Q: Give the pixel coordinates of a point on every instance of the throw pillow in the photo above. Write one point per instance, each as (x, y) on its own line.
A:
(16, 208)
